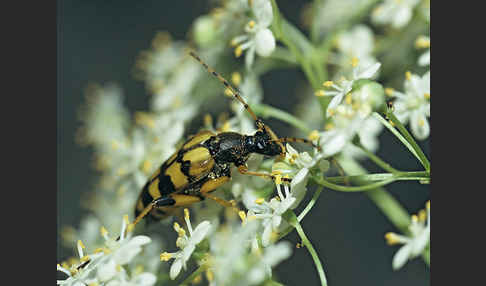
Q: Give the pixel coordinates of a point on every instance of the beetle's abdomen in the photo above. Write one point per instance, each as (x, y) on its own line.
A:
(183, 170)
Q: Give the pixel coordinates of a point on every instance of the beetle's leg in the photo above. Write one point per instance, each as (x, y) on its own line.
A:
(244, 170)
(224, 203)
(300, 140)
(159, 202)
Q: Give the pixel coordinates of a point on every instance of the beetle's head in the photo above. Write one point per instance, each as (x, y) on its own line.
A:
(262, 143)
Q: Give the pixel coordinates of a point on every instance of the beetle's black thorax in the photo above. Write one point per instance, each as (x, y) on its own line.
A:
(231, 147)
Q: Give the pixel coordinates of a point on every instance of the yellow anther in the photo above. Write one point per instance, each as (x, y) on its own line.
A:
(179, 229)
(251, 217)
(408, 75)
(234, 43)
(228, 92)
(354, 62)
(421, 122)
(427, 95)
(422, 215)
(238, 51)
(348, 99)
(278, 179)
(314, 135)
(84, 258)
(328, 83)
(236, 78)
(422, 42)
(103, 231)
(233, 203)
(186, 213)
(328, 126)
(118, 268)
(209, 275)
(298, 245)
(165, 256)
(93, 284)
(391, 238)
(389, 91)
(320, 93)
(80, 244)
(427, 205)
(414, 218)
(331, 112)
(251, 24)
(242, 216)
(146, 166)
(259, 201)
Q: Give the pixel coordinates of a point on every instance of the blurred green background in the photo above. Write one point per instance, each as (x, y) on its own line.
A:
(98, 41)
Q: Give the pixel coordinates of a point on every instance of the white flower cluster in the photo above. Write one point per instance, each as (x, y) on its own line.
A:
(414, 104)
(110, 264)
(350, 109)
(397, 13)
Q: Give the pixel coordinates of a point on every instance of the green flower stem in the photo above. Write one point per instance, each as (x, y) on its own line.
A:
(399, 176)
(303, 213)
(383, 179)
(290, 217)
(398, 135)
(190, 278)
(266, 111)
(409, 138)
(384, 165)
(426, 254)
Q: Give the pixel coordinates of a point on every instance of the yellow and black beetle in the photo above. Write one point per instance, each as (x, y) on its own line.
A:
(203, 164)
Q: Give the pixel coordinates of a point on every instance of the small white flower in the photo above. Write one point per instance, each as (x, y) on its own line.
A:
(368, 137)
(414, 244)
(271, 212)
(395, 12)
(258, 38)
(187, 244)
(414, 104)
(344, 86)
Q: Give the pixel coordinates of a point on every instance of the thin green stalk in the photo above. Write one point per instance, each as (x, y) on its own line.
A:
(400, 176)
(290, 217)
(398, 135)
(377, 160)
(266, 111)
(325, 183)
(303, 213)
(410, 139)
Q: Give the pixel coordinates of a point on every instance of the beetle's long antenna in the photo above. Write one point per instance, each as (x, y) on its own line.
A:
(236, 94)
(301, 140)
(233, 90)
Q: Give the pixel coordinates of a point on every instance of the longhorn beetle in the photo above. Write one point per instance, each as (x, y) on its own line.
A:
(203, 164)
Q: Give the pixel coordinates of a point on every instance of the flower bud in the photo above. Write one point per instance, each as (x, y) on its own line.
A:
(371, 91)
(204, 30)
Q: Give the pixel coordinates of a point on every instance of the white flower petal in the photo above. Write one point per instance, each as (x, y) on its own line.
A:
(264, 42)
(175, 268)
(107, 270)
(369, 72)
(200, 232)
(144, 279)
(263, 12)
(401, 256)
(419, 125)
